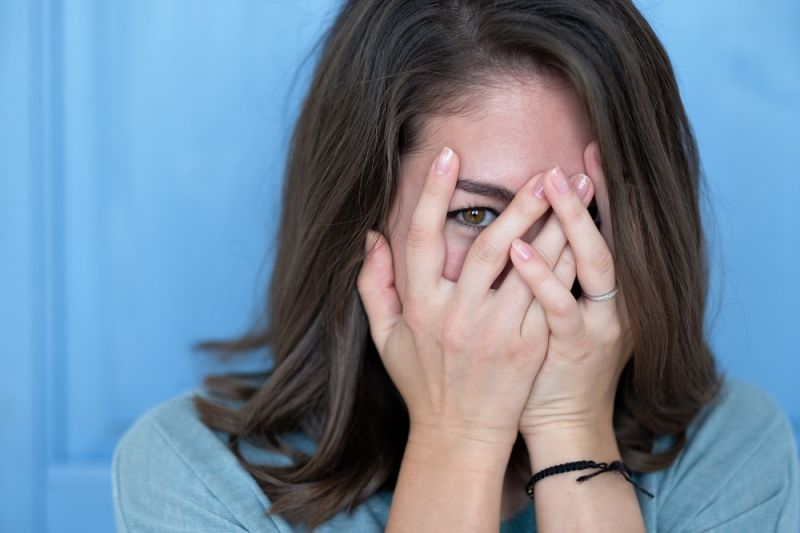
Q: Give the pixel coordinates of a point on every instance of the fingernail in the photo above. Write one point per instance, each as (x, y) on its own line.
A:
(560, 180)
(582, 186)
(445, 161)
(538, 187)
(522, 248)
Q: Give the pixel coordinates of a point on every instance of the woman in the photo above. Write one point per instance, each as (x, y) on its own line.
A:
(491, 262)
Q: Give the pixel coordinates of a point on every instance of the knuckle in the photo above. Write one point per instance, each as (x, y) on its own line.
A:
(563, 307)
(528, 211)
(418, 235)
(483, 251)
(537, 274)
(429, 194)
(546, 255)
(573, 211)
(568, 260)
(523, 209)
(601, 260)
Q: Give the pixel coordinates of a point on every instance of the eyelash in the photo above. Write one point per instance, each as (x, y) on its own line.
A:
(471, 227)
(592, 207)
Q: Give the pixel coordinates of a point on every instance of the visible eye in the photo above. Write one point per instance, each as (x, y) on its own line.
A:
(473, 218)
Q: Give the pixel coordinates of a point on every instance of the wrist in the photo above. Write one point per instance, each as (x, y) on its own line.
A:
(450, 445)
(594, 442)
(449, 479)
(577, 421)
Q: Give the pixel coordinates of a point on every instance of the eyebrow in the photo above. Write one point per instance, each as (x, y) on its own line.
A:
(483, 188)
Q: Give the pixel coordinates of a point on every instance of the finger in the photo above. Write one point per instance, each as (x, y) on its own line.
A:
(565, 272)
(595, 264)
(560, 307)
(549, 243)
(534, 315)
(488, 254)
(534, 324)
(565, 269)
(425, 247)
(375, 284)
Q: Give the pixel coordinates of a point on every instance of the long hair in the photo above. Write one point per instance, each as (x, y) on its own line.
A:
(385, 65)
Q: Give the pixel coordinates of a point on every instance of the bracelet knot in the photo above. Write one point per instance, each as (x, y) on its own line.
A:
(617, 466)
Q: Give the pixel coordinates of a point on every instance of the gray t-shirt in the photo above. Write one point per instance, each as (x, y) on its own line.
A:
(738, 472)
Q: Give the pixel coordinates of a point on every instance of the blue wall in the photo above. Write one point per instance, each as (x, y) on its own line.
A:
(141, 151)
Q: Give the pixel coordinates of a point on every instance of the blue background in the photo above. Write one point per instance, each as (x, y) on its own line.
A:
(141, 152)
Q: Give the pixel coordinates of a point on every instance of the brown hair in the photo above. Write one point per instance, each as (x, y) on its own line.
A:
(385, 65)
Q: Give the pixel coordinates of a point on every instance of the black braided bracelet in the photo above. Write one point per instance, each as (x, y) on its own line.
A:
(618, 466)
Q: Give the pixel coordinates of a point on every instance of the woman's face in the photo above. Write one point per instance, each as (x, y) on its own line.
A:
(521, 127)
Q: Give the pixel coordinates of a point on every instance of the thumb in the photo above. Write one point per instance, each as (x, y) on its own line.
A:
(375, 285)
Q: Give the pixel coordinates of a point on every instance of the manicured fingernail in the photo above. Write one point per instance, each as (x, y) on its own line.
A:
(445, 161)
(582, 186)
(522, 248)
(538, 188)
(560, 180)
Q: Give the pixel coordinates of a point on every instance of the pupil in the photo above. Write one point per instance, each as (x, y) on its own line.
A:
(473, 216)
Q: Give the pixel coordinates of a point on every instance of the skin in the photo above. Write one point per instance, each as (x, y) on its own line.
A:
(520, 129)
(478, 329)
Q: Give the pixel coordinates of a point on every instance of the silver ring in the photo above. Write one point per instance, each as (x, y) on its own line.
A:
(602, 297)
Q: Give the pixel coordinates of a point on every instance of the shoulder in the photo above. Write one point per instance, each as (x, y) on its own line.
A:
(743, 416)
(738, 469)
(170, 472)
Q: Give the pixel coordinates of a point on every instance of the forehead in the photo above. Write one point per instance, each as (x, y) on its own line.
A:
(513, 128)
